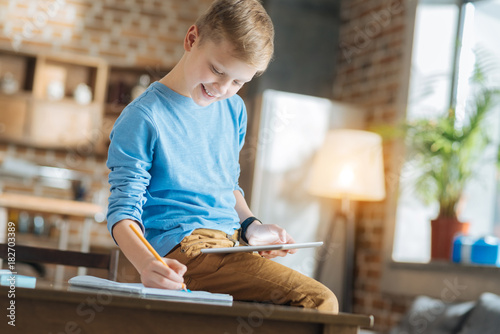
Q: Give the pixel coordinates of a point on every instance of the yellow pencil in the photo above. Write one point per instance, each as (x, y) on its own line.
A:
(151, 249)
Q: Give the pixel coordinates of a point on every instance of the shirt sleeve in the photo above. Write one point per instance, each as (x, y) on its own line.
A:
(130, 157)
(242, 122)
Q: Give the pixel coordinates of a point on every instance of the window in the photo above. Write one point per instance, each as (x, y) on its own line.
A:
(441, 68)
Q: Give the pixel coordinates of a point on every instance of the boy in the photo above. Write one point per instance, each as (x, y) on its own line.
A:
(174, 169)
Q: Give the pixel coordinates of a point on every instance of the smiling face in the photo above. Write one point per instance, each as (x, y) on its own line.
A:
(211, 72)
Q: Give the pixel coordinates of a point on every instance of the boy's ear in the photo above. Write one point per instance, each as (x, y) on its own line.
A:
(191, 36)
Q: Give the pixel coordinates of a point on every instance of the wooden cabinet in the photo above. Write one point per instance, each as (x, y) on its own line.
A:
(13, 116)
(33, 117)
(44, 112)
(63, 123)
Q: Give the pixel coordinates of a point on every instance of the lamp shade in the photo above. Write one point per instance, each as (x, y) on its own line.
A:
(349, 165)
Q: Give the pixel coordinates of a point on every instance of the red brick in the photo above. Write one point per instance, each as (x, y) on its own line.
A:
(380, 304)
(373, 274)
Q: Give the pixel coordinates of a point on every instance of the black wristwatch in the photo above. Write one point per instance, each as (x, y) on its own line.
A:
(244, 227)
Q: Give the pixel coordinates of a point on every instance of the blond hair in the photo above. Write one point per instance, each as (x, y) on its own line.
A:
(243, 23)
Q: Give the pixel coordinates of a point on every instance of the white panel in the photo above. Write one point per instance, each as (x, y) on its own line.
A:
(292, 129)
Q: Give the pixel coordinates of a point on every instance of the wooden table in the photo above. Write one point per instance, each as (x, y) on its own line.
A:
(47, 310)
(65, 208)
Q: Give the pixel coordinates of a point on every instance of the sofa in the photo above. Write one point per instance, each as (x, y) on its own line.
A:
(434, 316)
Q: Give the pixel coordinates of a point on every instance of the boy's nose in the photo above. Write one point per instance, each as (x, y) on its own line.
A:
(222, 87)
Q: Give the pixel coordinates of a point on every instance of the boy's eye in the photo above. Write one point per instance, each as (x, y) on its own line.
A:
(216, 71)
(237, 83)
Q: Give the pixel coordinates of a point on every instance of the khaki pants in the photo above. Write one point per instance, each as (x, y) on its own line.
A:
(247, 276)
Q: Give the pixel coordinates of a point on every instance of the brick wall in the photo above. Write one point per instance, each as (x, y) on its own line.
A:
(137, 33)
(124, 32)
(369, 73)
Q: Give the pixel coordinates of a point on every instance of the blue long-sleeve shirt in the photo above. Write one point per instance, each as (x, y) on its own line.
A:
(174, 165)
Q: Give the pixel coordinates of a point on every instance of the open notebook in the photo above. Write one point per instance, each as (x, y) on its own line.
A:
(137, 289)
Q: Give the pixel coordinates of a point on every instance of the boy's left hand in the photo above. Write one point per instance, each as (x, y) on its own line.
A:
(258, 235)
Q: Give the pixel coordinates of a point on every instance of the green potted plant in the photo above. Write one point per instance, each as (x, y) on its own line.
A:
(447, 156)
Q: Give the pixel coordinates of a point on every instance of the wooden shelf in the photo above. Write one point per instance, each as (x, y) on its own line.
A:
(50, 205)
(31, 118)
(71, 71)
(20, 66)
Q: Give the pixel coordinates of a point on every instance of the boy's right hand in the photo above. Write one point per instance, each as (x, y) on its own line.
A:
(157, 275)
(154, 273)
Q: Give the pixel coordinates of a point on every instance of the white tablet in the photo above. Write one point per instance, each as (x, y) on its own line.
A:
(238, 249)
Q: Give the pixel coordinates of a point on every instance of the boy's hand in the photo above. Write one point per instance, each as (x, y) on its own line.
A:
(258, 234)
(157, 275)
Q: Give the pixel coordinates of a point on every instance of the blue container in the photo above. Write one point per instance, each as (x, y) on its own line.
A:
(456, 253)
(486, 251)
(461, 251)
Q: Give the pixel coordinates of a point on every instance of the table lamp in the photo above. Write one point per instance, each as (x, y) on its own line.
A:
(349, 166)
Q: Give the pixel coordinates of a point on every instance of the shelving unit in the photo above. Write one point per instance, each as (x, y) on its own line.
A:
(30, 117)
